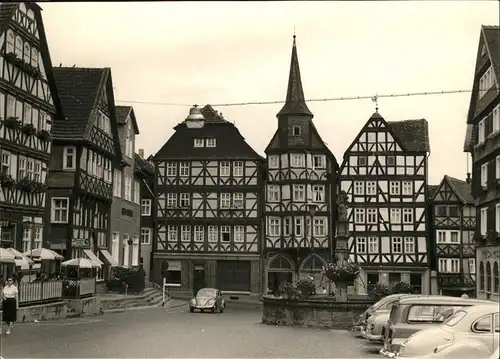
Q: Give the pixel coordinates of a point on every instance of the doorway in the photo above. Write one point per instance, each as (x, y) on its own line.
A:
(198, 278)
(280, 270)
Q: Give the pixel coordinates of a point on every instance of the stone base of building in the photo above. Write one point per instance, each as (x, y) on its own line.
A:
(42, 312)
(390, 275)
(85, 306)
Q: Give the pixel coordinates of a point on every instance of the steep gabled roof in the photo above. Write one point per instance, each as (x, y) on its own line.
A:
(413, 134)
(432, 189)
(78, 90)
(492, 40)
(122, 112)
(144, 166)
(461, 188)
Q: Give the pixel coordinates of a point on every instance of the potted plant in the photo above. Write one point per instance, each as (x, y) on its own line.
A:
(289, 291)
(346, 272)
(306, 287)
(379, 291)
(6, 180)
(401, 287)
(28, 129)
(44, 135)
(38, 187)
(25, 185)
(12, 122)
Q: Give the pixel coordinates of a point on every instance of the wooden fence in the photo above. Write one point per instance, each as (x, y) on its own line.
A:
(40, 292)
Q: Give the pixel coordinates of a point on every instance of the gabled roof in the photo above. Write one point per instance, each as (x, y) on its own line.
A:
(122, 112)
(78, 90)
(413, 134)
(432, 189)
(6, 11)
(462, 189)
(230, 143)
(142, 165)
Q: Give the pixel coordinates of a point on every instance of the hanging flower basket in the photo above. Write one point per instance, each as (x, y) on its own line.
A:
(28, 129)
(344, 273)
(12, 123)
(44, 135)
(6, 180)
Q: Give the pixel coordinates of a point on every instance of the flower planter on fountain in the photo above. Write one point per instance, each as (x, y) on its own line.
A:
(342, 275)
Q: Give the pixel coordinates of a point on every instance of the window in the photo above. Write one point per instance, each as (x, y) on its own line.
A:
(319, 227)
(296, 130)
(361, 245)
(273, 193)
(137, 192)
(407, 188)
(394, 188)
(318, 193)
(407, 215)
(18, 47)
(483, 325)
(496, 118)
(27, 53)
(239, 234)
(453, 211)
(26, 237)
(359, 215)
(409, 245)
(484, 174)
(497, 167)
(213, 233)
(128, 188)
(480, 132)
(481, 276)
(299, 226)
(21, 167)
(171, 200)
(371, 216)
(297, 160)
(496, 284)
(173, 276)
(441, 236)
(199, 142)
(362, 160)
(199, 234)
(359, 188)
(37, 177)
(287, 226)
(472, 265)
(211, 142)
(172, 233)
(10, 41)
(225, 233)
(443, 265)
(454, 237)
(129, 139)
(146, 236)
(5, 163)
(27, 119)
(397, 246)
(371, 188)
(171, 169)
(69, 158)
(497, 217)
(371, 281)
(238, 169)
(430, 313)
(299, 193)
(186, 233)
(274, 227)
(484, 220)
(396, 215)
(59, 213)
(319, 161)
(455, 265)
(373, 245)
(115, 246)
(486, 81)
(391, 160)
(225, 200)
(117, 185)
(29, 168)
(184, 169)
(225, 169)
(184, 200)
(237, 200)
(273, 162)
(107, 171)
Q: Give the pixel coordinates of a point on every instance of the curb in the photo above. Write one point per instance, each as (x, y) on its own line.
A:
(120, 310)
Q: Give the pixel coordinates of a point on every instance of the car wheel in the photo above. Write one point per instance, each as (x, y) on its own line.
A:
(191, 309)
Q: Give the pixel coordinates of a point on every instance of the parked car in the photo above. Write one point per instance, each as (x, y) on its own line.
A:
(359, 325)
(477, 324)
(207, 299)
(411, 314)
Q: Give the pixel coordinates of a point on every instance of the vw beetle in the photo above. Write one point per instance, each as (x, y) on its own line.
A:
(207, 299)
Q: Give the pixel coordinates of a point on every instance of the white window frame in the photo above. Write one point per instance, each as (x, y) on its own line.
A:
(497, 167)
(128, 188)
(297, 160)
(172, 233)
(359, 188)
(397, 245)
(495, 114)
(239, 234)
(407, 188)
(319, 227)
(371, 216)
(146, 234)
(484, 174)
(238, 200)
(199, 142)
(184, 200)
(457, 233)
(443, 265)
(274, 226)
(373, 245)
(361, 247)
(145, 207)
(63, 209)
(319, 162)
(238, 168)
(409, 245)
(69, 152)
(199, 234)
(287, 226)
(497, 217)
(137, 192)
(224, 168)
(484, 220)
(211, 142)
(185, 233)
(21, 168)
(441, 237)
(394, 188)
(472, 265)
(359, 215)
(371, 188)
(225, 230)
(117, 183)
(454, 265)
(273, 193)
(299, 193)
(171, 200)
(171, 170)
(213, 234)
(408, 216)
(298, 226)
(395, 215)
(318, 192)
(184, 169)
(481, 132)
(129, 139)
(273, 162)
(224, 200)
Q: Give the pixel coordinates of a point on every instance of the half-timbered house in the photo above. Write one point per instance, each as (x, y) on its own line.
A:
(208, 183)
(454, 222)
(86, 150)
(483, 143)
(300, 192)
(28, 102)
(384, 173)
(144, 169)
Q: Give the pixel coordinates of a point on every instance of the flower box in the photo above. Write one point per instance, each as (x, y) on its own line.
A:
(44, 135)
(12, 57)
(30, 186)
(28, 129)
(12, 123)
(6, 180)
(344, 273)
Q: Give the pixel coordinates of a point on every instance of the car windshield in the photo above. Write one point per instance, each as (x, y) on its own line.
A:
(455, 318)
(206, 293)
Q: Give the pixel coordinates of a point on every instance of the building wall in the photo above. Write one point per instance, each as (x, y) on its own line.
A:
(484, 256)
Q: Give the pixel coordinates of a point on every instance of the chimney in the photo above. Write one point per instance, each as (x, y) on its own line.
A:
(468, 180)
(141, 152)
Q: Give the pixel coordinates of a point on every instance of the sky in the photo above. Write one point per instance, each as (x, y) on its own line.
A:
(232, 52)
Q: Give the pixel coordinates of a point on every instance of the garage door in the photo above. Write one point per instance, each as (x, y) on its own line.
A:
(233, 275)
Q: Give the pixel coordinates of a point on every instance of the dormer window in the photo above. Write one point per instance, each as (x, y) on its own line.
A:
(199, 142)
(486, 82)
(129, 139)
(296, 130)
(211, 142)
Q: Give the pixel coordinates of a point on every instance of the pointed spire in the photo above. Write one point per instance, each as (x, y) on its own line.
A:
(295, 103)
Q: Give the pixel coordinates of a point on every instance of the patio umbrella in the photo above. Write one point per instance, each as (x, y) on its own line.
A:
(6, 256)
(80, 263)
(43, 254)
(21, 260)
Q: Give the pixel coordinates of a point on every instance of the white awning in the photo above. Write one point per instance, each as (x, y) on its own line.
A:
(92, 257)
(109, 258)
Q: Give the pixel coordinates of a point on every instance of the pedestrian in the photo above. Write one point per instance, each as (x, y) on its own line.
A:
(325, 292)
(9, 296)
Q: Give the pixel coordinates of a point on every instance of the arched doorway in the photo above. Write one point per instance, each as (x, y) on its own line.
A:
(280, 270)
(312, 267)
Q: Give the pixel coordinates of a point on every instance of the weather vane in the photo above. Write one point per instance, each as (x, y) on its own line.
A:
(375, 99)
(294, 31)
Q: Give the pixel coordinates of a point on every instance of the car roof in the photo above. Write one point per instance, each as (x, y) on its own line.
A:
(207, 289)
(440, 299)
(483, 308)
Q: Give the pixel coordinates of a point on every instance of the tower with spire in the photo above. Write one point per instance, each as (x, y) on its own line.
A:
(300, 191)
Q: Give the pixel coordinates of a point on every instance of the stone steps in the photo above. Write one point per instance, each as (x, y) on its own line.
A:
(150, 297)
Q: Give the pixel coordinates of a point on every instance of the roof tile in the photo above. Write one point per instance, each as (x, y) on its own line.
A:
(413, 134)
